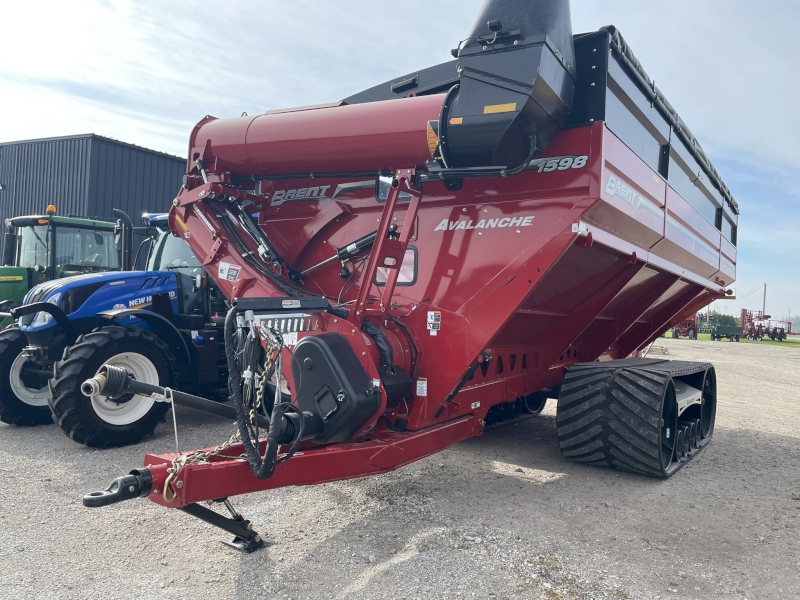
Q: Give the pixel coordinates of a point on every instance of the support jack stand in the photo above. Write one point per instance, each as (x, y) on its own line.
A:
(244, 537)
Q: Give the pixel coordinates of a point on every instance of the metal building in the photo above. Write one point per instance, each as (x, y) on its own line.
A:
(86, 175)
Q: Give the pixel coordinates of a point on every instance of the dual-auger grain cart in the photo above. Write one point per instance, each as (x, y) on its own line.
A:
(505, 227)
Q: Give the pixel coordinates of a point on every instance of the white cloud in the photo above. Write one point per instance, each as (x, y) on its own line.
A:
(146, 71)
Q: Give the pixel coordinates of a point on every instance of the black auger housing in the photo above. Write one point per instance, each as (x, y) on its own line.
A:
(516, 81)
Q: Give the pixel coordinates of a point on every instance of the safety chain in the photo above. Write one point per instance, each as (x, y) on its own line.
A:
(202, 456)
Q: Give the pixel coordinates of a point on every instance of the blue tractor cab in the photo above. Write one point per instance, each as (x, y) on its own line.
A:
(163, 325)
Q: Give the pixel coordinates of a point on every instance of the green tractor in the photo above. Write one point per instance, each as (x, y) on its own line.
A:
(46, 247)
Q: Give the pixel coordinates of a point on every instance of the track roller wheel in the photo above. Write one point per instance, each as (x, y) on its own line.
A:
(687, 439)
(694, 432)
(493, 416)
(708, 407)
(516, 408)
(535, 403)
(98, 421)
(680, 441)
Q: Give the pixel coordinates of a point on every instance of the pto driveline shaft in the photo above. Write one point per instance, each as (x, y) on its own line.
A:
(110, 382)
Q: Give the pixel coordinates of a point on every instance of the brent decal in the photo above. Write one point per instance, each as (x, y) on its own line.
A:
(309, 193)
(448, 225)
(617, 187)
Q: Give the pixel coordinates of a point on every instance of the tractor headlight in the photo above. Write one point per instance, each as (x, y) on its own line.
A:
(43, 318)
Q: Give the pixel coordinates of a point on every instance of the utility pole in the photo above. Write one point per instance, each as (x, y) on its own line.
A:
(764, 306)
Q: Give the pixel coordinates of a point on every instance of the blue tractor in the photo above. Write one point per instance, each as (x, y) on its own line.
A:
(163, 325)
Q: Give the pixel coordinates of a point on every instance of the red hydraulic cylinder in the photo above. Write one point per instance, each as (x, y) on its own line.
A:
(332, 139)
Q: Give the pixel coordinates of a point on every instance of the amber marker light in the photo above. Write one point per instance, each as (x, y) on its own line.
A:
(433, 139)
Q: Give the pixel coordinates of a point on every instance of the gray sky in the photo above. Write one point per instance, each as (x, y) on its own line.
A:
(145, 72)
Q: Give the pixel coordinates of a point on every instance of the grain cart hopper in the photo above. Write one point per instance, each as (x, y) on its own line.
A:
(470, 235)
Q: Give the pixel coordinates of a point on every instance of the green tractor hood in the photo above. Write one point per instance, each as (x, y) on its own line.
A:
(14, 284)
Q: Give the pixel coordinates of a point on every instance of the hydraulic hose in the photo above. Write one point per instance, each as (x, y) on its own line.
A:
(280, 423)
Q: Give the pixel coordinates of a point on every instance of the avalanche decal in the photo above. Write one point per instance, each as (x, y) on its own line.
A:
(448, 225)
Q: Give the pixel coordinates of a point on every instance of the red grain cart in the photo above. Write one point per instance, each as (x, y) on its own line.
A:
(490, 232)
(687, 328)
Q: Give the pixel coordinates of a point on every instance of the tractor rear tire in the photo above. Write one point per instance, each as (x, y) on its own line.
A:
(97, 421)
(15, 410)
(692, 334)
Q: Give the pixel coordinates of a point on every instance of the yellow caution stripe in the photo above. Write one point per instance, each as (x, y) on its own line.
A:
(494, 109)
(180, 223)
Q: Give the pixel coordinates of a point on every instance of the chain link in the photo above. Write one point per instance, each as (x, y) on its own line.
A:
(203, 456)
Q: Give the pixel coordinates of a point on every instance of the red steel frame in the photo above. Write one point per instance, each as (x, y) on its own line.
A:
(611, 257)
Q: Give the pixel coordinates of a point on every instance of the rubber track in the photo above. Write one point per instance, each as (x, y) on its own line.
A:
(609, 413)
(69, 406)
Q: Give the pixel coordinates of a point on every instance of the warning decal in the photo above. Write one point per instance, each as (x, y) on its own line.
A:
(434, 321)
(228, 272)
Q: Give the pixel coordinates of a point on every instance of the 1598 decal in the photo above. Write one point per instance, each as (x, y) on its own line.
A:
(558, 163)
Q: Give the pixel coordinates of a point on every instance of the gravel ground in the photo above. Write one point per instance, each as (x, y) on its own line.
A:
(501, 516)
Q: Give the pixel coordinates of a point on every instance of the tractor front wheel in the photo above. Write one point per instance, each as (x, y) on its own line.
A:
(98, 421)
(23, 398)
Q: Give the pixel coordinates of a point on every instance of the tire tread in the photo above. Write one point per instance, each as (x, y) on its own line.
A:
(69, 406)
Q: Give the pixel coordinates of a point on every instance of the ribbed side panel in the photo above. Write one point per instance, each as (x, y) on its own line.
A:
(86, 176)
(39, 173)
(133, 179)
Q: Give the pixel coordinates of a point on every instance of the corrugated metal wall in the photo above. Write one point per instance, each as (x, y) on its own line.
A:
(133, 179)
(35, 174)
(86, 175)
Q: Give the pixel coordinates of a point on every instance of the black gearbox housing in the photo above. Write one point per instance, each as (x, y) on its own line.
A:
(333, 384)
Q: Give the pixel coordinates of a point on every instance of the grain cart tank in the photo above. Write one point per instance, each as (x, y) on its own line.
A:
(469, 236)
